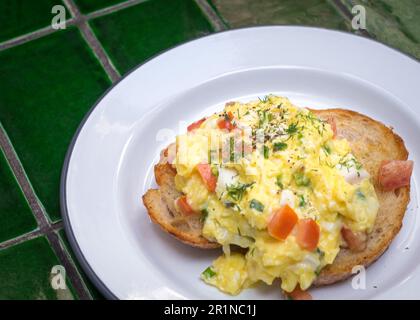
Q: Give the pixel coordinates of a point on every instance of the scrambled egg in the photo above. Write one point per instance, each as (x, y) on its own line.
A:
(279, 154)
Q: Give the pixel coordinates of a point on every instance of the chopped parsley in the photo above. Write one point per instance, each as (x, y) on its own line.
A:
(204, 214)
(326, 149)
(360, 195)
(232, 149)
(236, 191)
(320, 252)
(302, 201)
(301, 179)
(208, 273)
(263, 118)
(215, 171)
(266, 152)
(349, 161)
(292, 129)
(279, 183)
(232, 205)
(279, 146)
(265, 99)
(256, 205)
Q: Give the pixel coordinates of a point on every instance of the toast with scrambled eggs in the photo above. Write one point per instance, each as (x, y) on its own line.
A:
(325, 191)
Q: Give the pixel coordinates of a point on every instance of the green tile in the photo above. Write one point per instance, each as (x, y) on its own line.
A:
(86, 6)
(92, 289)
(132, 35)
(241, 13)
(15, 214)
(47, 86)
(18, 17)
(25, 272)
(394, 22)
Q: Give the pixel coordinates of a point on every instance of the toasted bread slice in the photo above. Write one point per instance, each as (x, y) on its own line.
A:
(371, 142)
(160, 204)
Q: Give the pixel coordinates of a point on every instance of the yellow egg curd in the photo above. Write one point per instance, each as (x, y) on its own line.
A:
(277, 154)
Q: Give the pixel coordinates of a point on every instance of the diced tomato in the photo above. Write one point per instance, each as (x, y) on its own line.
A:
(282, 222)
(395, 174)
(208, 177)
(225, 124)
(299, 294)
(195, 125)
(307, 234)
(333, 125)
(184, 206)
(355, 241)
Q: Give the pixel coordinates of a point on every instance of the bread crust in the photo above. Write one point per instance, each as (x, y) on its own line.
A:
(160, 205)
(371, 142)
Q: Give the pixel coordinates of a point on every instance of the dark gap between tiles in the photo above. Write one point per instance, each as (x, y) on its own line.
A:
(23, 180)
(31, 235)
(93, 43)
(94, 292)
(71, 272)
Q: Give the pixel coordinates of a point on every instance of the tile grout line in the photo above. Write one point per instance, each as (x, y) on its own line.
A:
(45, 227)
(31, 36)
(346, 13)
(22, 238)
(31, 235)
(92, 41)
(112, 9)
(23, 181)
(211, 15)
(71, 271)
(70, 22)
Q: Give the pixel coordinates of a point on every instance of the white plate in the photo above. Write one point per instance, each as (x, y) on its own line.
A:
(109, 164)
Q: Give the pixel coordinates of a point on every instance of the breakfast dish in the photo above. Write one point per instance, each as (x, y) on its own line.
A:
(288, 193)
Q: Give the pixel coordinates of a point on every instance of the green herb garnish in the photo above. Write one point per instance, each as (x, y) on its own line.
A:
(204, 214)
(231, 149)
(266, 152)
(292, 128)
(326, 149)
(360, 195)
(262, 118)
(320, 252)
(279, 183)
(208, 273)
(256, 205)
(348, 162)
(302, 201)
(265, 99)
(279, 146)
(236, 192)
(215, 171)
(301, 179)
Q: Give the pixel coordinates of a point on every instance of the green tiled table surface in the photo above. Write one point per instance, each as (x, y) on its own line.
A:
(50, 78)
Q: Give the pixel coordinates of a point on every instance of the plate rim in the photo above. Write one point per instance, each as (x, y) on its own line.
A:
(93, 277)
